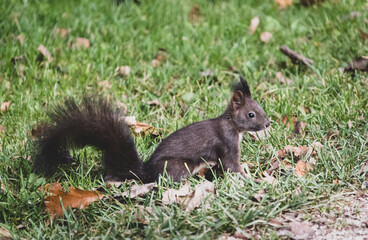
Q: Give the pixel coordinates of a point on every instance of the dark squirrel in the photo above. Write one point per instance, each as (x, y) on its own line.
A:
(183, 153)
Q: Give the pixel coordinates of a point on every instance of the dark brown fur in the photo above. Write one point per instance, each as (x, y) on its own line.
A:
(181, 154)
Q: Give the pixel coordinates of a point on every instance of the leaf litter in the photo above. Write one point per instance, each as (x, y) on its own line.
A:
(75, 198)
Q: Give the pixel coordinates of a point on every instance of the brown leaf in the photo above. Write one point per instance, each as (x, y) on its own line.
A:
(43, 50)
(305, 109)
(160, 57)
(284, 119)
(5, 234)
(301, 230)
(300, 168)
(20, 38)
(299, 127)
(5, 106)
(76, 198)
(260, 194)
(350, 124)
(195, 14)
(123, 71)
(21, 70)
(154, 102)
(60, 32)
(189, 199)
(284, 3)
(105, 84)
(336, 181)
(260, 135)
(360, 63)
(265, 36)
(307, 3)
(276, 222)
(141, 128)
(138, 190)
(82, 42)
(269, 179)
(253, 25)
(283, 79)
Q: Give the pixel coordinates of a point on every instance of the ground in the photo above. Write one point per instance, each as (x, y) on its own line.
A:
(171, 63)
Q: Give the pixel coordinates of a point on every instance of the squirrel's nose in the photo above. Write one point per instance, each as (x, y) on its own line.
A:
(268, 124)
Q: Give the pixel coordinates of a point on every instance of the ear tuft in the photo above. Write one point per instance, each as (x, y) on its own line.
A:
(243, 87)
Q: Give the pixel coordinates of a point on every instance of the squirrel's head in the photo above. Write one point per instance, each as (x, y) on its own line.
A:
(246, 113)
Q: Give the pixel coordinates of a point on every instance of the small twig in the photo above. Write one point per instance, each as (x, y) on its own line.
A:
(295, 57)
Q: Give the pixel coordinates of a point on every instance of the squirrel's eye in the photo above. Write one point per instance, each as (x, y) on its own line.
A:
(251, 115)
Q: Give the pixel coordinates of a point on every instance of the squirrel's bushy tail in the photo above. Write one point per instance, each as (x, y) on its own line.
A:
(92, 123)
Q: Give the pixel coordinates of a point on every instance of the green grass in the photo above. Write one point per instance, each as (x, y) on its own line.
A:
(131, 34)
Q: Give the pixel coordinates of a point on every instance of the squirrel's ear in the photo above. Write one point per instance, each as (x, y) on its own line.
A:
(237, 100)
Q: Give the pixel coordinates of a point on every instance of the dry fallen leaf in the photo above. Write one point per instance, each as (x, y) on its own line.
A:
(5, 234)
(363, 35)
(284, 3)
(5, 106)
(301, 230)
(299, 127)
(76, 198)
(160, 57)
(260, 135)
(43, 50)
(82, 42)
(360, 63)
(189, 199)
(141, 128)
(253, 25)
(154, 102)
(195, 14)
(123, 71)
(350, 124)
(105, 84)
(300, 168)
(62, 32)
(336, 181)
(269, 179)
(138, 190)
(283, 79)
(20, 38)
(265, 36)
(260, 194)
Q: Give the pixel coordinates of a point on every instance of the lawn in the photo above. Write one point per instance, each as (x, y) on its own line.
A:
(185, 54)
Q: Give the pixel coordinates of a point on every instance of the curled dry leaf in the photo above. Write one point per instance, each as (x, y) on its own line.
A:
(265, 36)
(189, 199)
(123, 71)
(142, 128)
(5, 106)
(284, 3)
(260, 135)
(76, 198)
(43, 50)
(160, 57)
(295, 57)
(300, 168)
(301, 230)
(283, 79)
(5, 234)
(139, 190)
(360, 63)
(253, 25)
(20, 38)
(299, 127)
(62, 32)
(154, 102)
(195, 14)
(82, 42)
(105, 84)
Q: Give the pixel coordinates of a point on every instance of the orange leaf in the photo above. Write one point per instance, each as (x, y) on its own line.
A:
(284, 3)
(76, 198)
(300, 168)
(253, 25)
